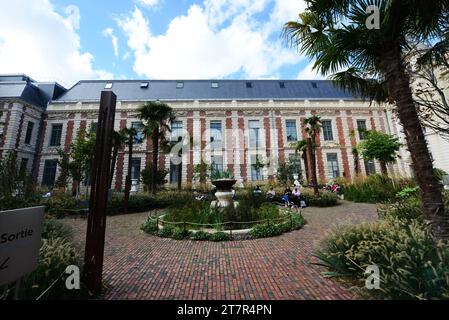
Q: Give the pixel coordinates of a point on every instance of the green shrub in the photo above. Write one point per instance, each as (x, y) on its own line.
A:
(323, 199)
(407, 209)
(375, 189)
(219, 236)
(150, 226)
(180, 234)
(298, 221)
(411, 266)
(201, 235)
(57, 205)
(407, 192)
(166, 231)
(55, 255)
(266, 230)
(53, 228)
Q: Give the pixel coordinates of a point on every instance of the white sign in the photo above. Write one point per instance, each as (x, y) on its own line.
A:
(20, 241)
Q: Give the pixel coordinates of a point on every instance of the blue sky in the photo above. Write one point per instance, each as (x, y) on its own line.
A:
(70, 40)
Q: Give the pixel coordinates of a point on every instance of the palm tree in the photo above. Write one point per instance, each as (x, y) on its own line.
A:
(119, 140)
(334, 33)
(313, 127)
(158, 117)
(355, 154)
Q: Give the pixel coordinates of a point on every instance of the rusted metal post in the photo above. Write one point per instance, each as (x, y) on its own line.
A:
(96, 225)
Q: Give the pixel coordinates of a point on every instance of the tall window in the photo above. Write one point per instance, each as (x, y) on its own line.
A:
(256, 173)
(29, 132)
(215, 134)
(24, 165)
(370, 168)
(254, 132)
(332, 165)
(135, 169)
(361, 127)
(176, 130)
(217, 163)
(49, 174)
(327, 130)
(174, 172)
(138, 138)
(292, 134)
(55, 138)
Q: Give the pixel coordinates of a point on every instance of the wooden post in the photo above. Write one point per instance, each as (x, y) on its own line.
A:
(96, 225)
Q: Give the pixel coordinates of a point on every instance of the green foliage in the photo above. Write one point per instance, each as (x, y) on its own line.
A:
(82, 153)
(166, 231)
(180, 234)
(196, 212)
(60, 205)
(375, 189)
(53, 229)
(217, 174)
(150, 226)
(219, 236)
(146, 202)
(405, 209)
(13, 179)
(266, 230)
(380, 146)
(286, 171)
(322, 199)
(64, 172)
(202, 170)
(411, 266)
(54, 256)
(201, 235)
(407, 192)
(439, 173)
(147, 176)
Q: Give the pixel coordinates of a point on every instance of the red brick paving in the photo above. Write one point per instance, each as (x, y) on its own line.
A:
(141, 266)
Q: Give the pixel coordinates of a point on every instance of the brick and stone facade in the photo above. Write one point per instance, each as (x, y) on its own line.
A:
(250, 127)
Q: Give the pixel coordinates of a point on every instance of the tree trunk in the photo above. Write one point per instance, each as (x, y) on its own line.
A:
(114, 160)
(383, 168)
(431, 190)
(355, 153)
(312, 165)
(128, 176)
(304, 157)
(155, 137)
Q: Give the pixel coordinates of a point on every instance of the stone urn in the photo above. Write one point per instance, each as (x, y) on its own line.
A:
(223, 193)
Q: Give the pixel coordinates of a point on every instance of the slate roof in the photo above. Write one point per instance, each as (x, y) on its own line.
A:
(28, 90)
(89, 91)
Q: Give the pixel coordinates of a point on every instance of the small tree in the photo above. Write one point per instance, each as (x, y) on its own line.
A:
(82, 153)
(64, 165)
(380, 146)
(202, 170)
(147, 177)
(157, 117)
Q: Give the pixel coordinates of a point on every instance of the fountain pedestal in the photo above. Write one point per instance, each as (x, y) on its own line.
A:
(224, 193)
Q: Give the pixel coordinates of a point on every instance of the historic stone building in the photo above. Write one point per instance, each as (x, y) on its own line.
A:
(232, 123)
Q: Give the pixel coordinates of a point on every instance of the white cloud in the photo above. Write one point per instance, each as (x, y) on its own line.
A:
(149, 3)
(307, 73)
(216, 39)
(108, 32)
(36, 40)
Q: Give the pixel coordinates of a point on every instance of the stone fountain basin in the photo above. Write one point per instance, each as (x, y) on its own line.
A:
(224, 184)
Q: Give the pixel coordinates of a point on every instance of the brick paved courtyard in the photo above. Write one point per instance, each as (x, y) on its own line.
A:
(141, 266)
